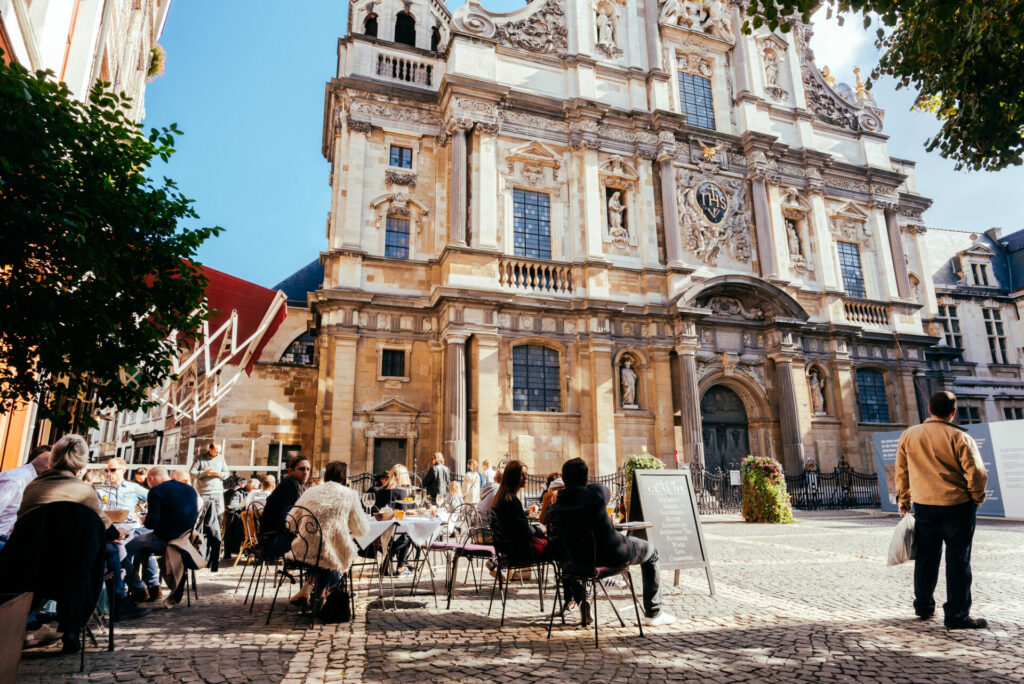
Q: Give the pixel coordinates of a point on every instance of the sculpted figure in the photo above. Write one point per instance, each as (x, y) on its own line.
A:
(717, 22)
(793, 238)
(615, 211)
(817, 396)
(771, 68)
(605, 29)
(627, 378)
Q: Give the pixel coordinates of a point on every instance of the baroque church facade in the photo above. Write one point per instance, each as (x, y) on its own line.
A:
(589, 227)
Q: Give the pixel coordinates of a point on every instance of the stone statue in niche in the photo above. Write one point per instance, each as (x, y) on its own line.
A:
(627, 383)
(605, 29)
(616, 212)
(817, 386)
(717, 22)
(793, 237)
(771, 67)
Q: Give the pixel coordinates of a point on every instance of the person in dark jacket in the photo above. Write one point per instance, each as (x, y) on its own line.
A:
(171, 511)
(234, 504)
(523, 543)
(276, 539)
(436, 481)
(580, 504)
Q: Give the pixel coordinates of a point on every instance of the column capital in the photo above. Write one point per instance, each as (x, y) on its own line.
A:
(455, 337)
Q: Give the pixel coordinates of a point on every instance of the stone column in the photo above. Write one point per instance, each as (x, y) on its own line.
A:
(670, 210)
(763, 228)
(692, 446)
(457, 196)
(487, 398)
(899, 259)
(455, 403)
(342, 399)
(789, 417)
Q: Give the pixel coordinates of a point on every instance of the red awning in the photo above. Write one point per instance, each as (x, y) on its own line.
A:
(226, 293)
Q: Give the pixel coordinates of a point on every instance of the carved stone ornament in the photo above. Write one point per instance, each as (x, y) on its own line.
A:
(694, 63)
(773, 62)
(710, 17)
(397, 177)
(364, 111)
(825, 101)
(850, 223)
(733, 308)
(397, 203)
(543, 30)
(712, 217)
(606, 21)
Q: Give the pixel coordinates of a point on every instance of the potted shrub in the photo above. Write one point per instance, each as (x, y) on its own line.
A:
(764, 491)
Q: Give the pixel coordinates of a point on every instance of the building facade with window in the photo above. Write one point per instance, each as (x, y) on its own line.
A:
(976, 289)
(582, 228)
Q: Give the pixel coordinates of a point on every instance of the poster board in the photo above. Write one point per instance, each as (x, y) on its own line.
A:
(666, 499)
(1002, 451)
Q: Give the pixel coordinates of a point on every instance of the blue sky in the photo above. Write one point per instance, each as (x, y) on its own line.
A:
(245, 83)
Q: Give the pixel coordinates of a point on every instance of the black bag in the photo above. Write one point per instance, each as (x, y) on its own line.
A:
(336, 607)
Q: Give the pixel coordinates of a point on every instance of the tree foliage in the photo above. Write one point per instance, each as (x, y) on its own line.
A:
(94, 267)
(963, 59)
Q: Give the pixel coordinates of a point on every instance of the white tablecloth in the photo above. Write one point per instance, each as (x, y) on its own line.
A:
(377, 528)
(420, 530)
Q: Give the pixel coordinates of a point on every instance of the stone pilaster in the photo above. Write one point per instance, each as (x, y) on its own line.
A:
(763, 229)
(487, 398)
(458, 195)
(789, 416)
(899, 259)
(455, 402)
(692, 446)
(670, 210)
(342, 398)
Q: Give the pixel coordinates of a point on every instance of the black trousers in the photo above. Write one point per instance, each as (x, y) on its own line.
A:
(954, 527)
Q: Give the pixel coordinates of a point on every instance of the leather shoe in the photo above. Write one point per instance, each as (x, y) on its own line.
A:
(585, 613)
(925, 616)
(969, 623)
(126, 610)
(71, 642)
(153, 593)
(138, 595)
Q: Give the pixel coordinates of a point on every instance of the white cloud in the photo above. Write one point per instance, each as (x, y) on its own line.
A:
(841, 48)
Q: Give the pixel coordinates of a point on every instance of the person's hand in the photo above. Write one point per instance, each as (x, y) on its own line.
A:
(532, 510)
(122, 534)
(212, 473)
(904, 510)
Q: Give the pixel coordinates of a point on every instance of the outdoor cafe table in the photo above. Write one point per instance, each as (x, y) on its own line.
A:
(421, 531)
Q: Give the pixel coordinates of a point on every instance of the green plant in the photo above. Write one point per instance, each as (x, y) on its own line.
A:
(764, 491)
(97, 266)
(157, 62)
(642, 461)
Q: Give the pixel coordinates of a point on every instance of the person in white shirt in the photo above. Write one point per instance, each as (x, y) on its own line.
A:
(13, 483)
(487, 473)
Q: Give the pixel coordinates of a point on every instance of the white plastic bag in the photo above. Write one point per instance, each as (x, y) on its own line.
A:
(901, 549)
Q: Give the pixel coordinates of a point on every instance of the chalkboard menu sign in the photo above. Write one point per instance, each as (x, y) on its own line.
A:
(666, 499)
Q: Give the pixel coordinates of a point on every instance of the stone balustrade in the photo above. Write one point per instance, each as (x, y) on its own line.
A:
(404, 69)
(534, 275)
(867, 313)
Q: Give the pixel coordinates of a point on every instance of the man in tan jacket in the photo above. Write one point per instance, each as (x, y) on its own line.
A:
(939, 470)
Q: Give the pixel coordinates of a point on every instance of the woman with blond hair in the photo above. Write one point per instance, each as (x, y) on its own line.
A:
(471, 483)
(399, 487)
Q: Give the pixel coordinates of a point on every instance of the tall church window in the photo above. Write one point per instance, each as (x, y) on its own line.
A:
(696, 101)
(531, 224)
(435, 39)
(400, 157)
(396, 238)
(872, 396)
(535, 379)
(849, 265)
(405, 29)
(996, 335)
(370, 26)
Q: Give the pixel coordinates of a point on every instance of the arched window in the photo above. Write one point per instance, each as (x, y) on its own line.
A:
(300, 351)
(872, 396)
(405, 29)
(435, 39)
(370, 26)
(535, 379)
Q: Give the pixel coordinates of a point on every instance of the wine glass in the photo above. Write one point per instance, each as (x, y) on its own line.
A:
(368, 500)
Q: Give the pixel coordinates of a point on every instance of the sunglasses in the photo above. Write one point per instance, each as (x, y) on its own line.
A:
(113, 470)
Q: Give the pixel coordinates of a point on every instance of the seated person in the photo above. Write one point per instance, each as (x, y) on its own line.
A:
(580, 504)
(68, 460)
(120, 493)
(455, 491)
(275, 539)
(234, 504)
(139, 477)
(523, 543)
(341, 518)
(398, 487)
(487, 492)
(552, 487)
(260, 493)
(172, 512)
(12, 487)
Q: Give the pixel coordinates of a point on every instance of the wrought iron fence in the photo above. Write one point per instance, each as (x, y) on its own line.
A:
(715, 491)
(842, 488)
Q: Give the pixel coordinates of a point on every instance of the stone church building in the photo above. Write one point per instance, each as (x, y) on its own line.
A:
(586, 227)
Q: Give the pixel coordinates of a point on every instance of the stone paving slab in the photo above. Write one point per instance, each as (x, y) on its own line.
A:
(811, 602)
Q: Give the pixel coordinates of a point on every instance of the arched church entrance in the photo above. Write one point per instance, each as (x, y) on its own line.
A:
(724, 423)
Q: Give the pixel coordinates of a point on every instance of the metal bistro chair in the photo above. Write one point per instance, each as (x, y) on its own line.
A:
(251, 543)
(505, 566)
(578, 551)
(472, 543)
(301, 522)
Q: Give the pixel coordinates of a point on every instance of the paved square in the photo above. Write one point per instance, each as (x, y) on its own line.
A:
(812, 601)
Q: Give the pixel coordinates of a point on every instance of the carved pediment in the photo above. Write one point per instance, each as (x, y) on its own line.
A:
(617, 170)
(391, 406)
(534, 153)
(978, 250)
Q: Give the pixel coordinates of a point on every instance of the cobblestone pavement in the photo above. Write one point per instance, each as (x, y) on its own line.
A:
(812, 601)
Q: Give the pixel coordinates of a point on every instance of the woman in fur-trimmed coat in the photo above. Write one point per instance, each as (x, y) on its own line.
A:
(341, 518)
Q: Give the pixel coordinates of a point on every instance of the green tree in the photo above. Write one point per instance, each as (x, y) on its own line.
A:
(963, 59)
(95, 271)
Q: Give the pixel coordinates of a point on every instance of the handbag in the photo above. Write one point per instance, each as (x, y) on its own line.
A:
(336, 607)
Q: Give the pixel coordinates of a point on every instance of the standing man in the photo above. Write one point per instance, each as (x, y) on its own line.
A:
(939, 470)
(208, 473)
(438, 477)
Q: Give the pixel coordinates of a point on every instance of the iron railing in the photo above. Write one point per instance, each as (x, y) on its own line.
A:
(842, 488)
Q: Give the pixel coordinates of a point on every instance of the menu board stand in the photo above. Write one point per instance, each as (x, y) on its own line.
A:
(666, 499)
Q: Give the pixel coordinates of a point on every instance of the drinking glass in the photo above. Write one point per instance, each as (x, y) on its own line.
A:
(611, 511)
(399, 514)
(368, 500)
